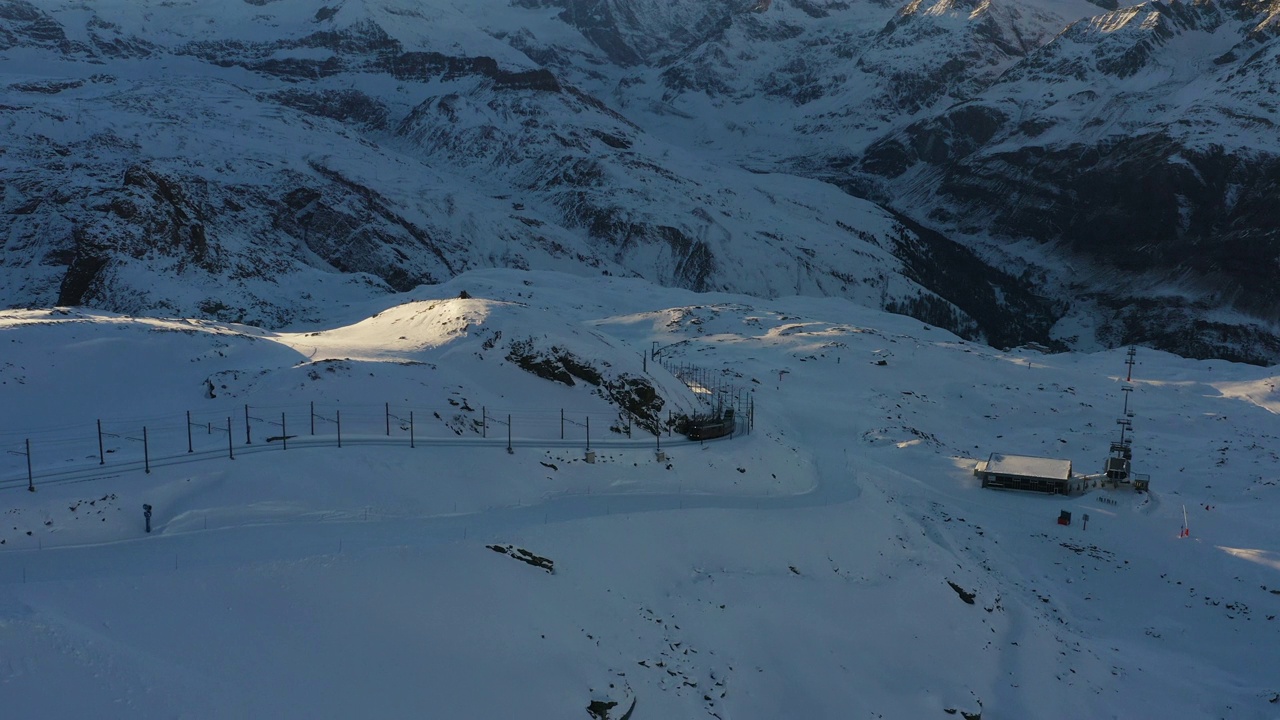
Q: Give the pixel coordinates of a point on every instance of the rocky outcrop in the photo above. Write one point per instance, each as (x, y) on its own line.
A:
(24, 24)
(344, 106)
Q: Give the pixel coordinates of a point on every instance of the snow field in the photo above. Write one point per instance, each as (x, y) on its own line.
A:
(818, 567)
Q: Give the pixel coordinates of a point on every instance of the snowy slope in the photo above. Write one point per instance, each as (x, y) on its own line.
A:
(815, 567)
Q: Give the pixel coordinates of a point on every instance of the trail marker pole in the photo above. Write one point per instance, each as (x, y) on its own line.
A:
(338, 414)
(31, 485)
(248, 439)
(484, 422)
(411, 429)
(313, 417)
(231, 451)
(561, 423)
(189, 446)
(509, 450)
(102, 457)
(387, 407)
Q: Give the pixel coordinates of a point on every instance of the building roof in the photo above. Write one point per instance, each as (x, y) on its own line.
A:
(1025, 466)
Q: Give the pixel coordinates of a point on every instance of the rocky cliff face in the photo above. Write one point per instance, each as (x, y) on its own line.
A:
(262, 161)
(1140, 147)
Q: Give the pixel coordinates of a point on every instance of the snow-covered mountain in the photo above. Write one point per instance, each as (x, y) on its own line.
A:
(1140, 145)
(264, 161)
(1075, 148)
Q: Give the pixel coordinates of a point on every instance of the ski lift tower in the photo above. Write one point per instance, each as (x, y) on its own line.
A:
(1119, 465)
(1120, 460)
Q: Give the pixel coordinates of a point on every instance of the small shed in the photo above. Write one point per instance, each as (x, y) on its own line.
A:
(1022, 472)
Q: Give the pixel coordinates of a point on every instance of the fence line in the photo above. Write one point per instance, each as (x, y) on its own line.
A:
(105, 448)
(721, 399)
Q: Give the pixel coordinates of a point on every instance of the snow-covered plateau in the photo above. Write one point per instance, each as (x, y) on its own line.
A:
(398, 512)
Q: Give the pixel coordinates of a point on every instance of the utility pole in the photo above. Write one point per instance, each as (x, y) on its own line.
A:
(31, 486)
